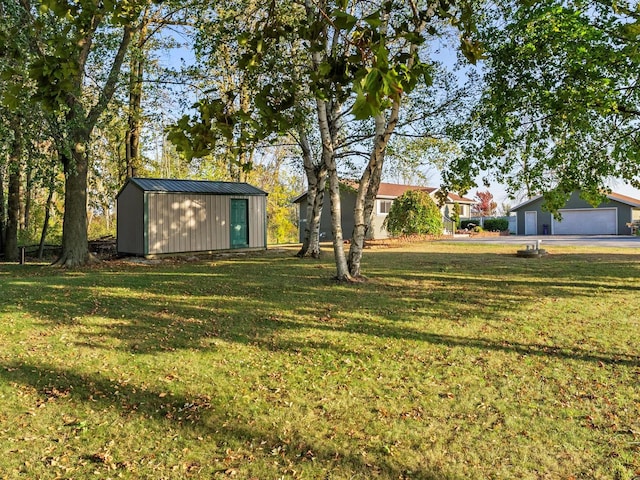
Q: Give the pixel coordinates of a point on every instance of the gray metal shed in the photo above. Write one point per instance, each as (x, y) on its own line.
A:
(163, 216)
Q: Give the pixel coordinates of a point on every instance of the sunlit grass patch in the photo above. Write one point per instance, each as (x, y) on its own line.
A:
(449, 362)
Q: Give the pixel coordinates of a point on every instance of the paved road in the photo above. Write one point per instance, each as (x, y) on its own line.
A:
(620, 241)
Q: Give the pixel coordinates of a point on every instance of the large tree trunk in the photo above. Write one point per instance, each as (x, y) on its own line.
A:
(75, 245)
(316, 180)
(11, 253)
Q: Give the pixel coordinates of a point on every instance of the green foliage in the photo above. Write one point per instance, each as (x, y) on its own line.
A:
(455, 214)
(281, 214)
(414, 212)
(560, 108)
(496, 224)
(464, 224)
(99, 227)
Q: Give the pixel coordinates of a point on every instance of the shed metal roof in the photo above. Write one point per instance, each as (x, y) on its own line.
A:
(166, 185)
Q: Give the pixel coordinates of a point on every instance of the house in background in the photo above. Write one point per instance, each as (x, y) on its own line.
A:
(163, 216)
(579, 217)
(387, 193)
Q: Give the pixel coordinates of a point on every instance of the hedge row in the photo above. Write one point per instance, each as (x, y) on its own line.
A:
(490, 224)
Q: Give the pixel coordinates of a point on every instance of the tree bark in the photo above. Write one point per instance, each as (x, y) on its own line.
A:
(75, 246)
(28, 195)
(316, 180)
(370, 181)
(11, 253)
(134, 130)
(3, 210)
(368, 187)
(326, 122)
(75, 242)
(47, 216)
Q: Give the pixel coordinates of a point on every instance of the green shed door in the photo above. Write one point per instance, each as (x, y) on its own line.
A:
(239, 223)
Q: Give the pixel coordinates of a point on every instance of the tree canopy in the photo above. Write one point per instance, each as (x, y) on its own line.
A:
(560, 108)
(325, 84)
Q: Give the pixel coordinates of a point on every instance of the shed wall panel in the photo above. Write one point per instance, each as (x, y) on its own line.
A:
(164, 222)
(130, 221)
(218, 228)
(191, 222)
(257, 206)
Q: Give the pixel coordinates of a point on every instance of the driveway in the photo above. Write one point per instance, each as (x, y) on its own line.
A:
(619, 241)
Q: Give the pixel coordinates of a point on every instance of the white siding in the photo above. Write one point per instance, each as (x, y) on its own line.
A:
(593, 221)
(531, 223)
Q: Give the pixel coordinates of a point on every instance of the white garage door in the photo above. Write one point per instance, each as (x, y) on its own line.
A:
(593, 221)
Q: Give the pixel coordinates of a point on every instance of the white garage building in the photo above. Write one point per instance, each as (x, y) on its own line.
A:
(579, 217)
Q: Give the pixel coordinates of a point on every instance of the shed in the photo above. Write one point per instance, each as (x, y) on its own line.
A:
(158, 216)
(611, 217)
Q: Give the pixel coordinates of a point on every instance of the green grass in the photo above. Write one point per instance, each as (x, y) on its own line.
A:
(451, 362)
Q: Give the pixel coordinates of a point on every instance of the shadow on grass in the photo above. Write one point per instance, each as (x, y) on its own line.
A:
(404, 333)
(203, 415)
(251, 301)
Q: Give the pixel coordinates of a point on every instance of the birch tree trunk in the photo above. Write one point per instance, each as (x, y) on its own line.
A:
(316, 180)
(370, 180)
(369, 185)
(328, 114)
(328, 131)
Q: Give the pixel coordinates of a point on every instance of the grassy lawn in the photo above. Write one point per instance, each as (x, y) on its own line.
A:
(451, 362)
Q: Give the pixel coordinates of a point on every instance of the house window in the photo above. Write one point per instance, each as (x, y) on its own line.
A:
(384, 206)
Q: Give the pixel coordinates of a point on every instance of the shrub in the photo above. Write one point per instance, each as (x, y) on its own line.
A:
(455, 214)
(414, 212)
(496, 224)
(464, 224)
(478, 229)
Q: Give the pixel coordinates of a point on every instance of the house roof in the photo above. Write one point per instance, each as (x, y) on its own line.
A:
(394, 190)
(526, 202)
(166, 185)
(633, 202)
(454, 197)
